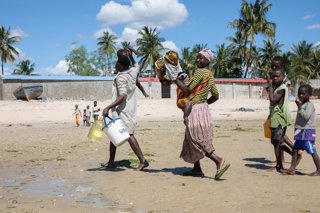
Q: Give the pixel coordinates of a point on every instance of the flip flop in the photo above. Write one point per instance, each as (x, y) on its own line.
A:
(108, 165)
(193, 173)
(220, 172)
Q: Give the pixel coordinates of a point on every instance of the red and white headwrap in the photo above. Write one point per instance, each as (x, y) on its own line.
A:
(207, 54)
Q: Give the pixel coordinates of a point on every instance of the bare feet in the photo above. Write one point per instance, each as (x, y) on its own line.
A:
(108, 165)
(290, 172)
(316, 173)
(142, 166)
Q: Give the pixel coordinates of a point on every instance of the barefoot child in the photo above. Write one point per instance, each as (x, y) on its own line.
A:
(277, 62)
(305, 130)
(95, 111)
(279, 112)
(124, 105)
(77, 113)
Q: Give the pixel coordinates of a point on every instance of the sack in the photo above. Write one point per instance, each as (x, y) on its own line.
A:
(266, 127)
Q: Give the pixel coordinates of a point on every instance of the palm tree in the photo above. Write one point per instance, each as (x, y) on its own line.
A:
(125, 45)
(187, 61)
(301, 68)
(252, 22)
(220, 64)
(7, 50)
(107, 44)
(24, 67)
(271, 48)
(149, 46)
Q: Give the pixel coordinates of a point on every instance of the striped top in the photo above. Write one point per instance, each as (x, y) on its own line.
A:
(196, 79)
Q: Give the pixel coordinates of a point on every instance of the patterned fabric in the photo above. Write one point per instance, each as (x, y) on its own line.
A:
(184, 98)
(199, 134)
(279, 114)
(200, 76)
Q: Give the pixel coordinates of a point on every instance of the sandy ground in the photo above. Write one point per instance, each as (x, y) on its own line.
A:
(48, 164)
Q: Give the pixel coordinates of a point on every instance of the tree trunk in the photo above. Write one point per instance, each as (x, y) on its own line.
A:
(2, 67)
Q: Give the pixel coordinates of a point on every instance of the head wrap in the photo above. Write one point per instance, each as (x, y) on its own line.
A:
(207, 54)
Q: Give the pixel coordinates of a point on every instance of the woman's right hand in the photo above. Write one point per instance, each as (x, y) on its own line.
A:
(105, 111)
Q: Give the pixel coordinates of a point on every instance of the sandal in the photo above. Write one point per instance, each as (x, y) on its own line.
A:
(193, 173)
(220, 172)
(108, 165)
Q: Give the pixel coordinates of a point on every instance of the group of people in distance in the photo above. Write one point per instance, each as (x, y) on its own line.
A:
(86, 115)
(194, 95)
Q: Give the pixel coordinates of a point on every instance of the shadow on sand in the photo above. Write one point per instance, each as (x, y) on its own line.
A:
(264, 164)
(123, 164)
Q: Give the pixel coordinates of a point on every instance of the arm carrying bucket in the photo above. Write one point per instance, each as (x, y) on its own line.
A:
(115, 130)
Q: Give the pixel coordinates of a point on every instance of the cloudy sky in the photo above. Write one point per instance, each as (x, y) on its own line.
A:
(50, 27)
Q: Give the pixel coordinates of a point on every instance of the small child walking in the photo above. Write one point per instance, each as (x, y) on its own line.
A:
(95, 111)
(305, 130)
(88, 116)
(77, 113)
(84, 118)
(279, 113)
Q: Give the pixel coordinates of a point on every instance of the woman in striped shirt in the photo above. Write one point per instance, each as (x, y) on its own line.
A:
(199, 129)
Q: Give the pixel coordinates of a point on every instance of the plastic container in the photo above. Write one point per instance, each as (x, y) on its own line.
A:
(95, 133)
(116, 131)
(267, 130)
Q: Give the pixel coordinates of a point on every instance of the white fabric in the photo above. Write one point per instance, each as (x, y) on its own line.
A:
(125, 84)
(171, 70)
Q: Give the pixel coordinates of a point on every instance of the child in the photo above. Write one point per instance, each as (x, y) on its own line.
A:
(279, 112)
(183, 99)
(124, 105)
(84, 117)
(305, 130)
(168, 67)
(277, 62)
(77, 114)
(95, 111)
(88, 115)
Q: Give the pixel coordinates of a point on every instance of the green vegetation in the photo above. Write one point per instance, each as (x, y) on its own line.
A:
(239, 57)
(7, 50)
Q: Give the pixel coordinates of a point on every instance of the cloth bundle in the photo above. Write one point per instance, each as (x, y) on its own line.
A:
(168, 67)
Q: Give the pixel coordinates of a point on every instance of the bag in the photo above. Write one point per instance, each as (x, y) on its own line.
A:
(266, 127)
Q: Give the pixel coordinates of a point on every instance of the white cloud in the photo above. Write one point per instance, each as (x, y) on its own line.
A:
(170, 45)
(152, 13)
(19, 32)
(99, 33)
(309, 16)
(313, 27)
(60, 69)
(129, 35)
(317, 44)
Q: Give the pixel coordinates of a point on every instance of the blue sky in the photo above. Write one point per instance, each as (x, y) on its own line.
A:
(49, 27)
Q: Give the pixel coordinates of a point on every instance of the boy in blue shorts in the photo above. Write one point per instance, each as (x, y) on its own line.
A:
(305, 130)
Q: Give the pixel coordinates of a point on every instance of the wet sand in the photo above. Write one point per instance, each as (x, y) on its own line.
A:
(49, 165)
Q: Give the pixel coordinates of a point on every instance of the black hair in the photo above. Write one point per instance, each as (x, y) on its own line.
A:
(120, 52)
(278, 58)
(124, 60)
(280, 69)
(307, 87)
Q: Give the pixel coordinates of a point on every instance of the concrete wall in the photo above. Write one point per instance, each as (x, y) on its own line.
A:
(101, 90)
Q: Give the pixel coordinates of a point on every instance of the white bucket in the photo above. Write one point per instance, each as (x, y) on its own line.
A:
(116, 131)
